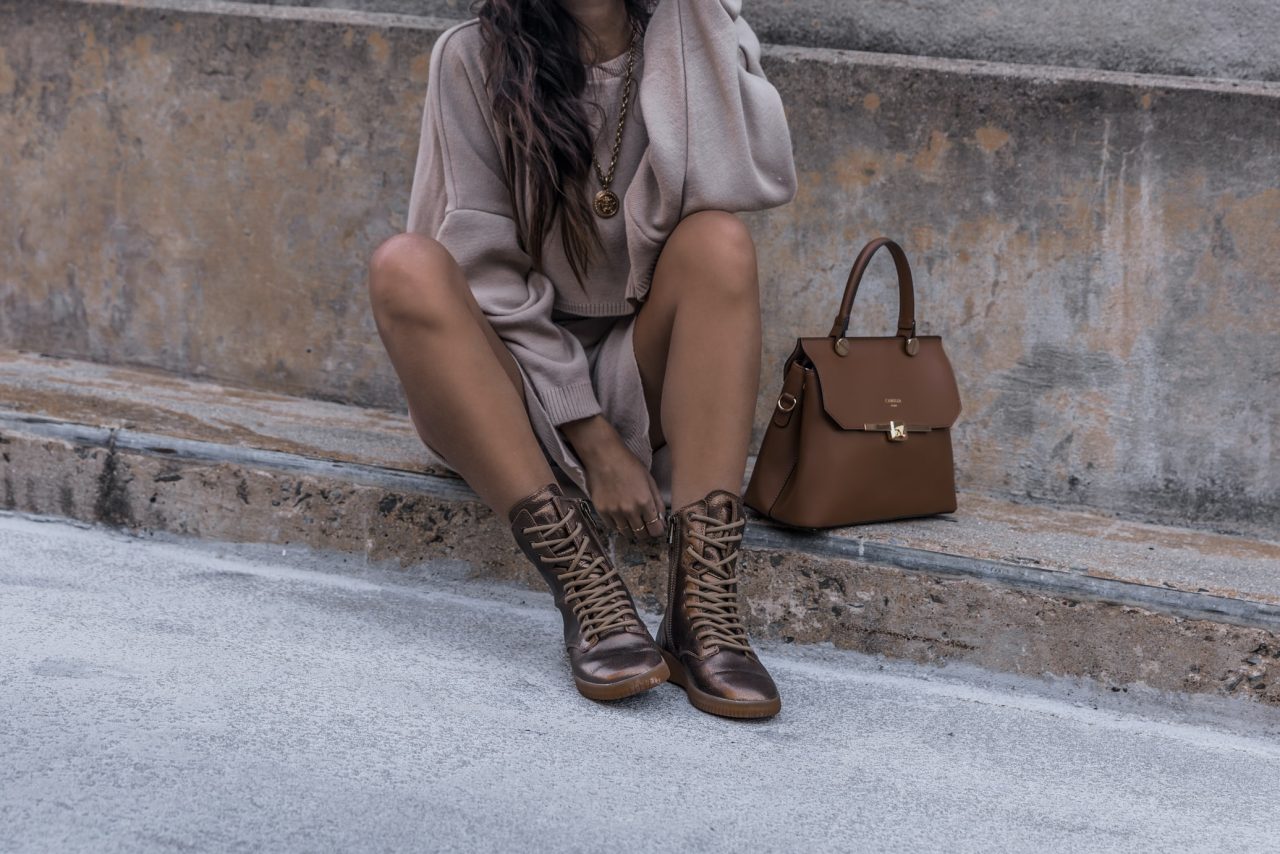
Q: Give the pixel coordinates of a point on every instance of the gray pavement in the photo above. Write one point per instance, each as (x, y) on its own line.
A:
(177, 695)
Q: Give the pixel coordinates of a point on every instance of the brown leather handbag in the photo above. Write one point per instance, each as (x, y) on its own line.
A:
(862, 429)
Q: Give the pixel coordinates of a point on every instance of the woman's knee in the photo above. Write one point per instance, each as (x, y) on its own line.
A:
(409, 276)
(718, 240)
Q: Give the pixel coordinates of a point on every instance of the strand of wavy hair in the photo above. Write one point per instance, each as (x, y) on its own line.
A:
(536, 77)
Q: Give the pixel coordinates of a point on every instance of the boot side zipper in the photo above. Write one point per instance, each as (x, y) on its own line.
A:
(672, 569)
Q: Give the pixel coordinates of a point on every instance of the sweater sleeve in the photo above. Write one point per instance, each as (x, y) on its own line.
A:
(460, 198)
(718, 133)
(739, 146)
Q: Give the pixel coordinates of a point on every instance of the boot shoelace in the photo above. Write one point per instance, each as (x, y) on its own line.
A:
(593, 587)
(718, 619)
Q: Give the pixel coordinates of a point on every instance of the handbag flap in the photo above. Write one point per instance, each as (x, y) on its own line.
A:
(877, 382)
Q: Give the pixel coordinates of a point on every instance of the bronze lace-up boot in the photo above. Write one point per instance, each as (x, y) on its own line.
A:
(611, 652)
(702, 636)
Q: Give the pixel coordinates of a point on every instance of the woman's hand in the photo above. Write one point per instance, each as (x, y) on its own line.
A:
(621, 488)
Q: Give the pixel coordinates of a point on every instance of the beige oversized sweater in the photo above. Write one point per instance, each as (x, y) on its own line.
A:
(707, 131)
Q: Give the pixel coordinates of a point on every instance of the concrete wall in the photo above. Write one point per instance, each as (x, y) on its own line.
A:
(199, 192)
(1203, 38)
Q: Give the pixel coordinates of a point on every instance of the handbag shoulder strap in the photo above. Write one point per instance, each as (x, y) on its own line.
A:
(906, 291)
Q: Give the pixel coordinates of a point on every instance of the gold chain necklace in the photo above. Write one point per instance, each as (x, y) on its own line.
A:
(605, 202)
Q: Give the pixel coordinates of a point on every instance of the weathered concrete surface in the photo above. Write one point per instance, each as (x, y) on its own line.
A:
(159, 402)
(158, 217)
(1201, 38)
(182, 412)
(171, 695)
(199, 191)
(1011, 588)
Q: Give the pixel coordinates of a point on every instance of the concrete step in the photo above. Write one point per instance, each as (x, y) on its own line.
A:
(1199, 38)
(196, 186)
(1005, 586)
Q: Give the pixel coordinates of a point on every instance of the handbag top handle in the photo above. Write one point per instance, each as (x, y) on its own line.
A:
(906, 291)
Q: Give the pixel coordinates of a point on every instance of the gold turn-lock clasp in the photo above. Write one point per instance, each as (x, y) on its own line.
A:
(893, 431)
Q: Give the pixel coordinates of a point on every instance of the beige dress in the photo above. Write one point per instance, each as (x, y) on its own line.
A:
(720, 141)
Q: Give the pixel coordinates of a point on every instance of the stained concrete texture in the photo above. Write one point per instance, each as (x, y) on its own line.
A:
(180, 414)
(1097, 254)
(160, 696)
(161, 402)
(1204, 38)
(1007, 586)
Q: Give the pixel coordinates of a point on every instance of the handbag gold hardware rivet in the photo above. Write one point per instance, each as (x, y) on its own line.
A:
(841, 347)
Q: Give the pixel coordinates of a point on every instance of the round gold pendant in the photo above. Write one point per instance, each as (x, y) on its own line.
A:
(605, 203)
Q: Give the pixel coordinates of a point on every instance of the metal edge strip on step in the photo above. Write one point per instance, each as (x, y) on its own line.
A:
(1073, 584)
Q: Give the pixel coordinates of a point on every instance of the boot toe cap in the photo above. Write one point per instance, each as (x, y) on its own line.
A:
(738, 678)
(746, 686)
(620, 656)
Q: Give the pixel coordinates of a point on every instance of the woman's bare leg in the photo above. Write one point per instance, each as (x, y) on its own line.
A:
(456, 371)
(697, 342)
(453, 366)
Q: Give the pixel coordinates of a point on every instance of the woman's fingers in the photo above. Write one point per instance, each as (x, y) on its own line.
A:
(621, 521)
(635, 521)
(618, 521)
(641, 516)
(653, 522)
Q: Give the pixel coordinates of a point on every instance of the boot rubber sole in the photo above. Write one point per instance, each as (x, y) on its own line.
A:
(629, 687)
(714, 705)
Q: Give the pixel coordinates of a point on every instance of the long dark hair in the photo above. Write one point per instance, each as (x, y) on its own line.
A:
(536, 75)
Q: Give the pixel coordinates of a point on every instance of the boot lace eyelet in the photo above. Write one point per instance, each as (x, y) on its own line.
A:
(593, 589)
(716, 615)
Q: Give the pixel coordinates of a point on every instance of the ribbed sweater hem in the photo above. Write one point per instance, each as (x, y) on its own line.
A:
(608, 308)
(571, 402)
